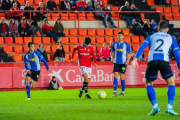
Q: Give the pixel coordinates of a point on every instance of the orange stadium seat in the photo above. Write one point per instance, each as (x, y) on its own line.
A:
(71, 47)
(48, 16)
(49, 57)
(142, 16)
(90, 16)
(100, 40)
(55, 16)
(109, 32)
(99, 47)
(46, 40)
(17, 58)
(72, 16)
(146, 49)
(91, 32)
(64, 16)
(76, 57)
(81, 39)
(18, 49)
(66, 32)
(1, 40)
(73, 32)
(37, 40)
(175, 9)
(2, 15)
(93, 40)
(127, 39)
(94, 46)
(31, 2)
(22, 2)
(167, 9)
(66, 48)
(36, 47)
(57, 2)
(82, 32)
(146, 55)
(65, 40)
(168, 1)
(135, 39)
(150, 2)
(115, 39)
(115, 16)
(174, 2)
(67, 58)
(100, 32)
(168, 16)
(8, 40)
(159, 9)
(116, 31)
(113, 8)
(73, 40)
(126, 32)
(142, 38)
(135, 47)
(27, 39)
(47, 48)
(82, 16)
(8, 49)
(25, 48)
(55, 47)
(108, 39)
(37, 2)
(44, 2)
(176, 16)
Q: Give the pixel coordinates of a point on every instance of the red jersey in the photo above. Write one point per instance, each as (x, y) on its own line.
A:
(84, 55)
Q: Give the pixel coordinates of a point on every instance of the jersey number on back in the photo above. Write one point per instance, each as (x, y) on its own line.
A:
(158, 48)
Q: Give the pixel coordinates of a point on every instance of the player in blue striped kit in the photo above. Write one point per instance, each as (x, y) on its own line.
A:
(118, 57)
(158, 59)
(32, 61)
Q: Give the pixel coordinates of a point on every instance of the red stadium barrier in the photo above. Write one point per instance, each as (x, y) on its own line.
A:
(69, 77)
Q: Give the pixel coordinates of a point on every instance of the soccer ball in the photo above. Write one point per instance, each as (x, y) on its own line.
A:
(102, 94)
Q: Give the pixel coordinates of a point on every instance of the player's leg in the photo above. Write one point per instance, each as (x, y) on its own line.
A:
(28, 80)
(122, 74)
(115, 81)
(35, 78)
(85, 85)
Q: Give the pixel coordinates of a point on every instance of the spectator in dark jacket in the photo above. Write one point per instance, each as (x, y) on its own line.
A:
(15, 14)
(42, 51)
(136, 28)
(13, 28)
(127, 16)
(23, 27)
(103, 16)
(4, 29)
(33, 14)
(58, 28)
(65, 5)
(41, 15)
(93, 4)
(51, 5)
(6, 4)
(160, 2)
(137, 16)
(147, 28)
(53, 84)
(33, 29)
(60, 53)
(18, 4)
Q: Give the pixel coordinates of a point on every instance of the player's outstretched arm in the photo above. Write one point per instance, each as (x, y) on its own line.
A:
(25, 62)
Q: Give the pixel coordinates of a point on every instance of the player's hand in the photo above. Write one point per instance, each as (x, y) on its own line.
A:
(134, 63)
(72, 60)
(48, 69)
(95, 64)
(29, 71)
(112, 60)
(127, 62)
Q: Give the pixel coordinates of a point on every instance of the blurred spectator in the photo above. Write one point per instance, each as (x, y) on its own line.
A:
(4, 29)
(47, 29)
(33, 29)
(141, 58)
(56, 59)
(23, 27)
(1, 6)
(171, 54)
(13, 28)
(127, 16)
(17, 3)
(103, 16)
(137, 16)
(51, 5)
(160, 2)
(93, 4)
(33, 14)
(105, 52)
(110, 47)
(102, 59)
(15, 14)
(6, 4)
(143, 0)
(60, 53)
(58, 28)
(101, 2)
(83, 6)
(147, 28)
(136, 28)
(53, 84)
(1, 60)
(42, 51)
(73, 2)
(41, 15)
(65, 5)
(154, 24)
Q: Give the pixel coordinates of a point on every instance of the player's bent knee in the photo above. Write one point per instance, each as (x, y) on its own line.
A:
(122, 76)
(116, 74)
(28, 79)
(149, 82)
(170, 81)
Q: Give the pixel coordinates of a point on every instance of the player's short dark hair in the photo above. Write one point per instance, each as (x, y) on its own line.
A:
(163, 25)
(30, 43)
(87, 40)
(120, 33)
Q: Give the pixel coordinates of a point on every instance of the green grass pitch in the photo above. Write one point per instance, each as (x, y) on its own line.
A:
(65, 105)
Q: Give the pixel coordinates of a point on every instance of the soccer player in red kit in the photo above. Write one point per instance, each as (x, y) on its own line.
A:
(85, 50)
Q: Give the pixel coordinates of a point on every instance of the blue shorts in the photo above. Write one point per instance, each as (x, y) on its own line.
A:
(34, 75)
(121, 68)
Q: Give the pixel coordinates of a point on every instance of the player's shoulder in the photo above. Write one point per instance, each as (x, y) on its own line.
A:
(37, 52)
(160, 34)
(127, 44)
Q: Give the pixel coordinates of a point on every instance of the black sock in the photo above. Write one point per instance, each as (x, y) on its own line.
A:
(85, 87)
